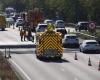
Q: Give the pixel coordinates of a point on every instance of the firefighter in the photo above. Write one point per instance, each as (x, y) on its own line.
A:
(22, 34)
(29, 34)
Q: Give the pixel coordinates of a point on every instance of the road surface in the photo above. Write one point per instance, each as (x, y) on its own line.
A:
(30, 68)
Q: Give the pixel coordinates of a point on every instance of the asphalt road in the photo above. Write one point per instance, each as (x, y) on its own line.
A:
(30, 68)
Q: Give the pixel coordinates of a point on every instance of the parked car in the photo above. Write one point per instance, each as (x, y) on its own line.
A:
(82, 26)
(70, 40)
(19, 22)
(59, 24)
(89, 45)
(63, 31)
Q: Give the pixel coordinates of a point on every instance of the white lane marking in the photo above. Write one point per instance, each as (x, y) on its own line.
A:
(28, 78)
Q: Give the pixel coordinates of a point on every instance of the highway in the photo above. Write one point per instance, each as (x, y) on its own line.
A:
(30, 68)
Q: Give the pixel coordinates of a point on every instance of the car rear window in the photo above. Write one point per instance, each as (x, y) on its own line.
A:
(42, 28)
(71, 37)
(62, 31)
(91, 43)
(85, 24)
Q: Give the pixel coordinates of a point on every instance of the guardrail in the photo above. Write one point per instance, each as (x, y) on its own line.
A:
(13, 46)
(87, 35)
(17, 46)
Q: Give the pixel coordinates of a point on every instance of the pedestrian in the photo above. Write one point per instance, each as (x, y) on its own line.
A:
(29, 34)
(25, 34)
(21, 34)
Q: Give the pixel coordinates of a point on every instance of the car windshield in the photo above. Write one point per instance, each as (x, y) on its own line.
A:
(49, 22)
(61, 24)
(42, 28)
(20, 20)
(71, 37)
(84, 24)
(91, 43)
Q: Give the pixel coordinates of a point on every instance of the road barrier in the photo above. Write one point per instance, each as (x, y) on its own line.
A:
(89, 62)
(76, 56)
(99, 66)
(9, 46)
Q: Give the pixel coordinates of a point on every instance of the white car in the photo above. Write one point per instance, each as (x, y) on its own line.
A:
(89, 45)
(59, 24)
(41, 27)
(70, 40)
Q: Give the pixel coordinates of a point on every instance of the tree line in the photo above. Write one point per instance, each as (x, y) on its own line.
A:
(68, 10)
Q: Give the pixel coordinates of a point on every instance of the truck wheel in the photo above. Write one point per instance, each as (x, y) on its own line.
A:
(38, 57)
(58, 58)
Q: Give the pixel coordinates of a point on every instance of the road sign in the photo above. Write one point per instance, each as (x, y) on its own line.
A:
(92, 25)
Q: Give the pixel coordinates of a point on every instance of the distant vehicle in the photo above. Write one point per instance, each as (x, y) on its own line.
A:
(89, 45)
(49, 45)
(41, 27)
(71, 40)
(63, 31)
(10, 21)
(2, 22)
(59, 24)
(10, 11)
(19, 22)
(47, 21)
(82, 26)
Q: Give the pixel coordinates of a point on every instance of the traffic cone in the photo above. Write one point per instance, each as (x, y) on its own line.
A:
(99, 66)
(89, 62)
(76, 56)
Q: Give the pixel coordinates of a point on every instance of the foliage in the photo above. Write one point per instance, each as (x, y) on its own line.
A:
(68, 10)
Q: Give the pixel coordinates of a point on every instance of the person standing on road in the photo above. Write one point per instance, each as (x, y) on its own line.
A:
(25, 34)
(29, 34)
(22, 34)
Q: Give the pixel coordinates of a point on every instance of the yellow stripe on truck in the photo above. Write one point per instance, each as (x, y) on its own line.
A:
(50, 41)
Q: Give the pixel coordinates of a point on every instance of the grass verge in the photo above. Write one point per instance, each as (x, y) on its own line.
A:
(6, 71)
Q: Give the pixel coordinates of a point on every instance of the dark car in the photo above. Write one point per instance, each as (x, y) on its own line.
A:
(62, 31)
(19, 22)
(82, 26)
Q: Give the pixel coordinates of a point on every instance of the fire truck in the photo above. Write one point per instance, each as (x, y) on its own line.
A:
(49, 45)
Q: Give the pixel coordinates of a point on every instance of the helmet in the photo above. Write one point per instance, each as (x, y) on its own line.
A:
(50, 27)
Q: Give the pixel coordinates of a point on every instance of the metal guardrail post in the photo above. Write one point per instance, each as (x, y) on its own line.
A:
(5, 53)
(9, 54)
